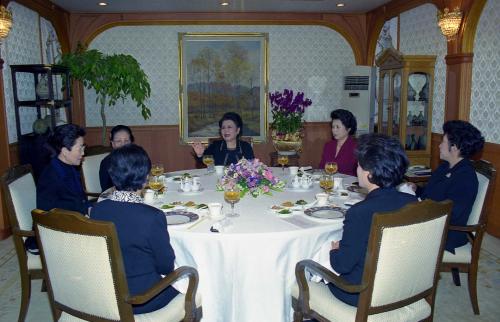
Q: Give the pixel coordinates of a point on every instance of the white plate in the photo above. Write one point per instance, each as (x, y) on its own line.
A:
(180, 217)
(325, 212)
(298, 189)
(190, 192)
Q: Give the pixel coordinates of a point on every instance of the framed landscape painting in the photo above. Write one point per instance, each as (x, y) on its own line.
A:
(222, 73)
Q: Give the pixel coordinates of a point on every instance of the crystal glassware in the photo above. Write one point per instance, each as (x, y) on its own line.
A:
(331, 168)
(326, 183)
(283, 161)
(208, 160)
(157, 169)
(232, 196)
(156, 183)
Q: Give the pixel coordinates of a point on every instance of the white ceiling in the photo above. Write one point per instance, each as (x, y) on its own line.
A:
(123, 6)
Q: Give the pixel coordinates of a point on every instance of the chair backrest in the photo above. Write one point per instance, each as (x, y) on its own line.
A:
(404, 252)
(83, 262)
(486, 175)
(90, 168)
(20, 192)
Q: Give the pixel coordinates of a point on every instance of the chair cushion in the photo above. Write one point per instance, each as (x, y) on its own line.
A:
(174, 311)
(34, 261)
(462, 255)
(323, 302)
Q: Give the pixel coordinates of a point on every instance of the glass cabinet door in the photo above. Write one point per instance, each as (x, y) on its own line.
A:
(396, 103)
(385, 104)
(417, 117)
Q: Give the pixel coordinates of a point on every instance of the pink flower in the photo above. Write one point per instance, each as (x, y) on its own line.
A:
(268, 175)
(265, 189)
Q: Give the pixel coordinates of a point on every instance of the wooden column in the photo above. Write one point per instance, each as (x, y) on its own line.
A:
(458, 86)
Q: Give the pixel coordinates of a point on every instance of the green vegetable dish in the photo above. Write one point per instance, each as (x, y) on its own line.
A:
(284, 212)
(301, 202)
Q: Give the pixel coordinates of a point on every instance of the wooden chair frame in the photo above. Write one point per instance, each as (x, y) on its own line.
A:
(27, 275)
(475, 234)
(410, 214)
(73, 222)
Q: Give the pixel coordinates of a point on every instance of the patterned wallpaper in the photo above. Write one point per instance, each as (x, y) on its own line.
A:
(485, 99)
(22, 47)
(304, 58)
(420, 35)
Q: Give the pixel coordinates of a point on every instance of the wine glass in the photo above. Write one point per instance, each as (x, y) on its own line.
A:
(331, 168)
(208, 160)
(232, 196)
(326, 183)
(156, 183)
(157, 169)
(283, 161)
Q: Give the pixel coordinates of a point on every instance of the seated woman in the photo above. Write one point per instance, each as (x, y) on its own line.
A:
(120, 135)
(231, 149)
(341, 148)
(382, 163)
(59, 185)
(455, 178)
(147, 253)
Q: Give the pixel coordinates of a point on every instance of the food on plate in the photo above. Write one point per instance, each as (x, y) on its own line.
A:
(287, 204)
(167, 206)
(202, 206)
(276, 207)
(284, 212)
(190, 204)
(301, 202)
(344, 194)
(176, 203)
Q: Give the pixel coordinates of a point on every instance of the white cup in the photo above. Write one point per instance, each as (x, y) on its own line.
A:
(196, 184)
(219, 169)
(337, 183)
(186, 184)
(215, 210)
(322, 199)
(149, 196)
(293, 171)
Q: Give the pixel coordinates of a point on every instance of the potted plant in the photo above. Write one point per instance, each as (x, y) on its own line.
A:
(113, 77)
(287, 125)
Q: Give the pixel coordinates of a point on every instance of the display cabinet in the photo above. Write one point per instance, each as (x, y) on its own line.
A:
(405, 92)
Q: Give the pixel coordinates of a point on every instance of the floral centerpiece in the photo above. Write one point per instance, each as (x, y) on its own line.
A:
(287, 111)
(251, 176)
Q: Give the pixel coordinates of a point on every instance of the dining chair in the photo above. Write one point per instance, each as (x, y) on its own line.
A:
(86, 277)
(20, 195)
(400, 276)
(466, 258)
(90, 169)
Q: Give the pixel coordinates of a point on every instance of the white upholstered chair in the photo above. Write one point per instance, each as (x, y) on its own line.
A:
(466, 258)
(400, 275)
(90, 169)
(20, 194)
(86, 277)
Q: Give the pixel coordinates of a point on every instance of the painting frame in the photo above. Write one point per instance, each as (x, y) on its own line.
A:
(238, 84)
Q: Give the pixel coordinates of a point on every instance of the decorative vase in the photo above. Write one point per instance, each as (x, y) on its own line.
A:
(417, 82)
(42, 88)
(287, 144)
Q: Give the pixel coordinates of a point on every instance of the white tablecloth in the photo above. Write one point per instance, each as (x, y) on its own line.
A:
(246, 273)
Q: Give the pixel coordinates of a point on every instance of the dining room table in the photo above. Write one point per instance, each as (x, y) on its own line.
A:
(246, 264)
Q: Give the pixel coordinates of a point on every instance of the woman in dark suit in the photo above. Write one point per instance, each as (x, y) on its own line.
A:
(382, 163)
(120, 136)
(230, 149)
(455, 179)
(142, 229)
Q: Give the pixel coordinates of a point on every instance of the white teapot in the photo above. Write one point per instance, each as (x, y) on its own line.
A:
(306, 181)
(296, 182)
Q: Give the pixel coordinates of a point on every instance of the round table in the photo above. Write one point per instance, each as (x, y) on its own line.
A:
(246, 272)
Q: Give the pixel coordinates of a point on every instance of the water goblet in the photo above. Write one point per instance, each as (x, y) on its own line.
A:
(157, 169)
(156, 183)
(232, 196)
(326, 183)
(283, 161)
(331, 167)
(208, 160)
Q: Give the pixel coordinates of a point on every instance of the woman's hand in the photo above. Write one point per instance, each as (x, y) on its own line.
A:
(198, 148)
(335, 244)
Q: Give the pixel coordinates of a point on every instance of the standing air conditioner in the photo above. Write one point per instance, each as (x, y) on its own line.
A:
(358, 96)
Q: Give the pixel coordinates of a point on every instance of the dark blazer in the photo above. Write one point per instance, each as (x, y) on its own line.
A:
(349, 259)
(459, 184)
(224, 156)
(145, 246)
(59, 186)
(104, 177)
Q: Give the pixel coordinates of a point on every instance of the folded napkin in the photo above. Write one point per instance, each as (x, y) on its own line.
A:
(322, 258)
(223, 226)
(406, 188)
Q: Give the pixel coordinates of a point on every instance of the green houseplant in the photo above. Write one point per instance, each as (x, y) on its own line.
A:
(113, 77)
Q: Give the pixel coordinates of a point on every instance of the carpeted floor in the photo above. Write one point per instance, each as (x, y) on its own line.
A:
(452, 303)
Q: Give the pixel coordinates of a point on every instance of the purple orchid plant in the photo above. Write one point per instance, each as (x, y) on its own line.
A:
(287, 111)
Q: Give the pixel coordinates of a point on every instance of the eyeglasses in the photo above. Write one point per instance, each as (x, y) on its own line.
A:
(122, 142)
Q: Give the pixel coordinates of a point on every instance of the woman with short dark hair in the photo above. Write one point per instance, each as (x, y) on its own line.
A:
(455, 178)
(382, 163)
(341, 148)
(142, 229)
(230, 149)
(120, 136)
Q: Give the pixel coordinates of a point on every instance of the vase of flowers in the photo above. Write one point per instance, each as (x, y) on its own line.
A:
(250, 176)
(287, 125)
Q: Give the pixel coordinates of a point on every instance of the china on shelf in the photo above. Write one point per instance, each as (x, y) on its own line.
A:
(417, 83)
